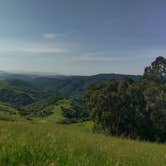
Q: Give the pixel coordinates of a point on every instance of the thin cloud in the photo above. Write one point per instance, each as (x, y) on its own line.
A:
(29, 47)
(144, 54)
(101, 57)
(39, 49)
(52, 35)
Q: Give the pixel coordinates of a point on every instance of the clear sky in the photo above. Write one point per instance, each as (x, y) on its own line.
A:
(81, 36)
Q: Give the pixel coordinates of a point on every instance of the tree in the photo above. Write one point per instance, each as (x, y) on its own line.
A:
(135, 109)
(155, 96)
(157, 70)
(118, 108)
(154, 87)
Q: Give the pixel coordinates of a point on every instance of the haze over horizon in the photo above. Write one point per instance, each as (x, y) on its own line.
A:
(81, 37)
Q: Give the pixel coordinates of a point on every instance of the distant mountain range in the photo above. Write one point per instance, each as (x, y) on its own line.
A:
(24, 76)
(72, 85)
(21, 89)
(64, 86)
(44, 76)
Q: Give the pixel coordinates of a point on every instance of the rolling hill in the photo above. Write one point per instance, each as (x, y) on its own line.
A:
(34, 95)
(67, 86)
(21, 90)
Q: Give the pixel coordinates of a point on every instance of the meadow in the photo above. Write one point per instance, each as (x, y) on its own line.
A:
(41, 143)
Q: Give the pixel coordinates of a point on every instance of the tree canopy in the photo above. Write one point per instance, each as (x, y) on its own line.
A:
(157, 70)
(135, 109)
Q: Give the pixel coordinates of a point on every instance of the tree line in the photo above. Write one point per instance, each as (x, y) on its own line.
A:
(135, 109)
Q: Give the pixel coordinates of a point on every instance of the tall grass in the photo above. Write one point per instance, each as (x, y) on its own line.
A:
(42, 144)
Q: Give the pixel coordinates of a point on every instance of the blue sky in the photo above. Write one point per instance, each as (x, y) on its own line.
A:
(81, 36)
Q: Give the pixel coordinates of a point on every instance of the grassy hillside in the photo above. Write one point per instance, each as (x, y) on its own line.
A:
(41, 144)
(7, 109)
(41, 108)
(45, 141)
(56, 112)
(8, 113)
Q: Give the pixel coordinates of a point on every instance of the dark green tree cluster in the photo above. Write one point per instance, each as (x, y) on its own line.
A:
(135, 109)
(77, 112)
(41, 108)
(156, 71)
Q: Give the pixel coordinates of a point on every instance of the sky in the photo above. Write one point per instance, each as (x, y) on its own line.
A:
(82, 37)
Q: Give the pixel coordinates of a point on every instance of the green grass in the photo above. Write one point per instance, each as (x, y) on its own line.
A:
(41, 144)
(8, 113)
(46, 142)
(56, 116)
(8, 109)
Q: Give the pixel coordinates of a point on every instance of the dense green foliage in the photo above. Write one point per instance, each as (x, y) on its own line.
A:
(129, 108)
(118, 107)
(77, 111)
(26, 87)
(156, 71)
(12, 95)
(20, 93)
(21, 90)
(40, 109)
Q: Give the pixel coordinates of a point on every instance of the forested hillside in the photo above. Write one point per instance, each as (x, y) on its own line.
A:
(35, 96)
(121, 105)
(27, 90)
(76, 119)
